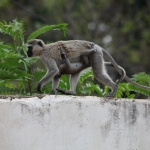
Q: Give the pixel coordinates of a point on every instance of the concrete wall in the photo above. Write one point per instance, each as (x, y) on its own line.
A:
(74, 123)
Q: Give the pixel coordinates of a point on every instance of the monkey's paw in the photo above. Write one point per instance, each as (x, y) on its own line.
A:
(61, 91)
(52, 93)
(63, 55)
(39, 89)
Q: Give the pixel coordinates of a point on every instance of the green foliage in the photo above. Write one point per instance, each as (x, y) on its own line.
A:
(143, 79)
(15, 29)
(139, 90)
(86, 85)
(125, 90)
(16, 73)
(64, 82)
(13, 70)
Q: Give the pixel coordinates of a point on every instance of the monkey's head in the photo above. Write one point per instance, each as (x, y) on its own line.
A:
(35, 47)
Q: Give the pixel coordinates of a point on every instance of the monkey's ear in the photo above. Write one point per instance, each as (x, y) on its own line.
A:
(40, 43)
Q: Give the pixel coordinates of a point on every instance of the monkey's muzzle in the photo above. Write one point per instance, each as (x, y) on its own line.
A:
(29, 52)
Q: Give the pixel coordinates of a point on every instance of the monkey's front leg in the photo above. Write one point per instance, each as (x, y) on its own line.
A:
(49, 75)
(52, 71)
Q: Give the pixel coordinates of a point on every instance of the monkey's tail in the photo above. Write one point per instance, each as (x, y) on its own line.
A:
(136, 84)
(109, 57)
(116, 66)
(123, 75)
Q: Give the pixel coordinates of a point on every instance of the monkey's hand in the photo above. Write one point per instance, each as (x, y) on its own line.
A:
(63, 55)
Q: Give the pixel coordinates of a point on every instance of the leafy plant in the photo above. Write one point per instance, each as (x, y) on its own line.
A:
(47, 28)
(86, 85)
(143, 79)
(125, 90)
(15, 67)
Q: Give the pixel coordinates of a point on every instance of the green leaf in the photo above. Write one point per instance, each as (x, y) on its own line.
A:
(6, 71)
(131, 96)
(139, 90)
(14, 29)
(87, 74)
(47, 28)
(142, 78)
(96, 88)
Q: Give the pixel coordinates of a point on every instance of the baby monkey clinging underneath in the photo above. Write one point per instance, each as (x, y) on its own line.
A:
(50, 54)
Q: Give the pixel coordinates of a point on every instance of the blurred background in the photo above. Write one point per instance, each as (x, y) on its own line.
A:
(122, 27)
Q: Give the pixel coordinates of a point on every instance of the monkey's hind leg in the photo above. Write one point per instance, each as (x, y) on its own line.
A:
(84, 56)
(100, 73)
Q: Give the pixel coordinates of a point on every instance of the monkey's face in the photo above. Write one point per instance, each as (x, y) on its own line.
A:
(35, 47)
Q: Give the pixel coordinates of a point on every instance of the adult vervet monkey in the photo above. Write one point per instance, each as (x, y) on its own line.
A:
(73, 69)
(50, 54)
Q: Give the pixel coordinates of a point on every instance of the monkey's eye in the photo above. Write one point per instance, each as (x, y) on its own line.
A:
(40, 43)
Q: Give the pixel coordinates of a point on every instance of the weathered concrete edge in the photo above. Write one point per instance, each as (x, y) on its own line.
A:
(72, 122)
(92, 100)
(68, 98)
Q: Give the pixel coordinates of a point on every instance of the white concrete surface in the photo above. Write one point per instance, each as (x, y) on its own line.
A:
(74, 123)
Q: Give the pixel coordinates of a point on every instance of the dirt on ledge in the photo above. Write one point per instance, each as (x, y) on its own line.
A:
(40, 96)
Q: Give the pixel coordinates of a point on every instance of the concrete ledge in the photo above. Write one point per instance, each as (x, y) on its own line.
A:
(74, 123)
